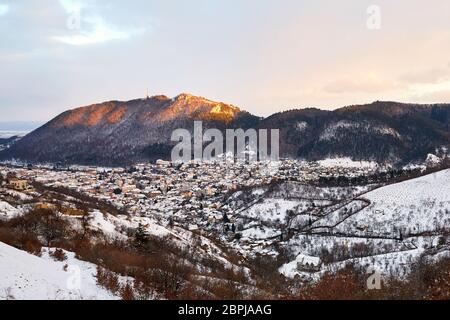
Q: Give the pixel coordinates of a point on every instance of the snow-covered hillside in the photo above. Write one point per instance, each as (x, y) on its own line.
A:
(389, 229)
(28, 277)
(411, 207)
(7, 211)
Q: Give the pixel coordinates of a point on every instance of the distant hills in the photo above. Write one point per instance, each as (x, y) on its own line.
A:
(123, 133)
(381, 131)
(19, 126)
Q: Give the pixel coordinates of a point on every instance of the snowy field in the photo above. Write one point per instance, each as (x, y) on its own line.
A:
(401, 222)
(28, 277)
(270, 210)
(411, 207)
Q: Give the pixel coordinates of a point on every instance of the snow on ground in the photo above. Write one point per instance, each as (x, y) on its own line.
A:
(332, 131)
(432, 159)
(389, 257)
(393, 263)
(298, 190)
(258, 192)
(150, 226)
(301, 126)
(314, 245)
(7, 211)
(19, 195)
(401, 218)
(115, 227)
(259, 233)
(290, 269)
(99, 221)
(340, 214)
(346, 163)
(414, 206)
(270, 209)
(28, 277)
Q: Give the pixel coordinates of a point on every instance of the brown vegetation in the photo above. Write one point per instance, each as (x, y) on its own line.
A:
(159, 268)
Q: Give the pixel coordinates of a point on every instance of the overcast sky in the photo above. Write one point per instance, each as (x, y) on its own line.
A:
(262, 55)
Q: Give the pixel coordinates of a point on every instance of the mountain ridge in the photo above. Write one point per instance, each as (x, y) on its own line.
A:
(126, 132)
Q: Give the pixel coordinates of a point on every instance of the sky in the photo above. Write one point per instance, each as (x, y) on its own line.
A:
(264, 56)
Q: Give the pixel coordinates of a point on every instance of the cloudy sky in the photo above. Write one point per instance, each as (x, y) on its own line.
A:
(263, 55)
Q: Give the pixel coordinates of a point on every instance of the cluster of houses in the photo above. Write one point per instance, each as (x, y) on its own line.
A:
(190, 194)
(177, 190)
(13, 182)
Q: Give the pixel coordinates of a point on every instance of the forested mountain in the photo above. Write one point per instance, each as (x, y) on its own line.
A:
(123, 133)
